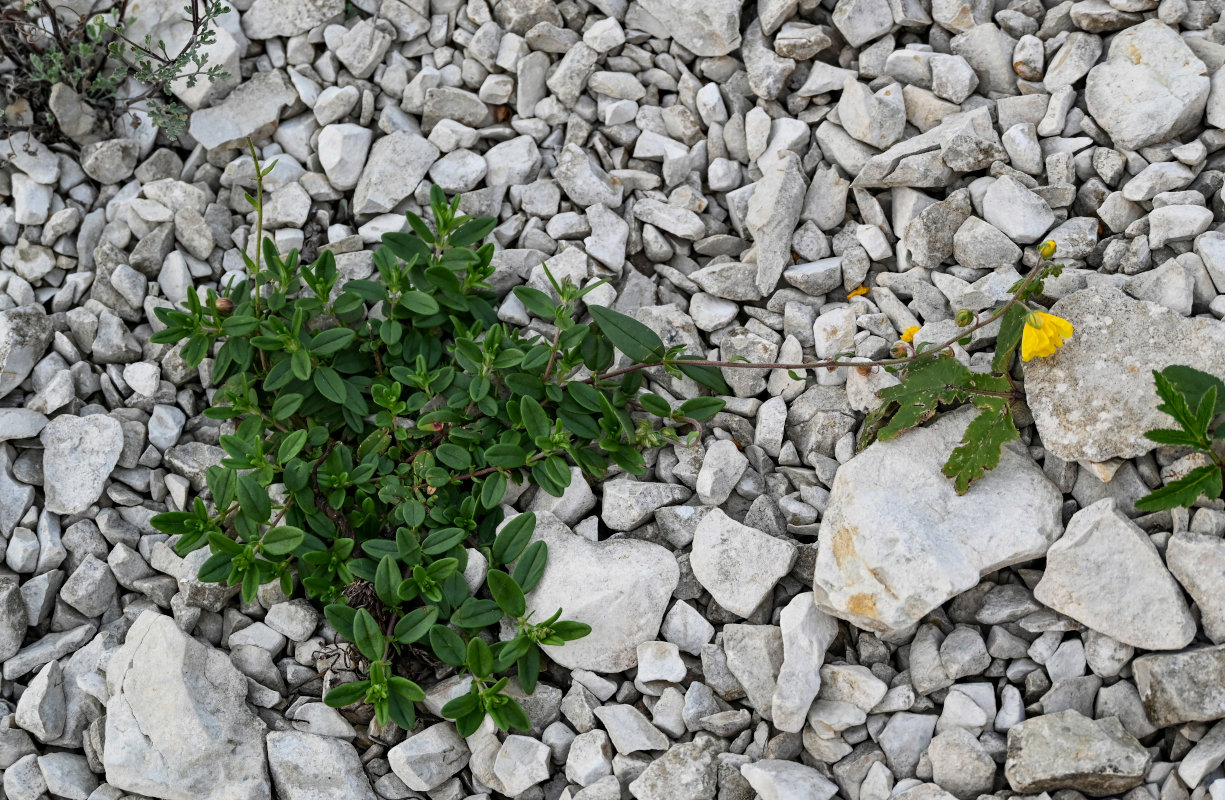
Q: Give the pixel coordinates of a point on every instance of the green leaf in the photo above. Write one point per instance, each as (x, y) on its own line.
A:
(506, 455)
(224, 485)
(475, 614)
(1193, 384)
(291, 445)
(1204, 412)
(461, 706)
(448, 645)
(453, 456)
(637, 341)
(347, 694)
(701, 408)
(536, 301)
(535, 421)
(472, 231)
(419, 303)
(415, 624)
(387, 579)
(442, 540)
(493, 489)
(530, 566)
(1172, 437)
(1175, 402)
(401, 694)
(982, 442)
(330, 385)
(569, 630)
(406, 246)
(513, 538)
(585, 394)
(708, 376)
(1199, 482)
(925, 387)
(506, 593)
(330, 341)
(285, 405)
(528, 669)
(367, 636)
(341, 617)
(300, 364)
(253, 499)
(655, 405)
(250, 584)
(283, 540)
(216, 568)
(480, 658)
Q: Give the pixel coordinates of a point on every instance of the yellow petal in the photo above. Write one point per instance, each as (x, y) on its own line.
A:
(908, 334)
(857, 291)
(1060, 325)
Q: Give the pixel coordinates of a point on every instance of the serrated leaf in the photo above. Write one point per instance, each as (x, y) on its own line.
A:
(927, 385)
(1193, 383)
(1201, 481)
(1172, 437)
(637, 341)
(982, 442)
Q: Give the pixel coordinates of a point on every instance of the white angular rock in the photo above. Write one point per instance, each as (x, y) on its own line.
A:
(1069, 751)
(807, 634)
(1146, 611)
(1116, 345)
(425, 760)
(396, 165)
(704, 28)
(737, 564)
(627, 504)
(25, 333)
(78, 456)
(177, 723)
(774, 779)
(620, 588)
(897, 541)
(305, 766)
(1022, 215)
(1150, 88)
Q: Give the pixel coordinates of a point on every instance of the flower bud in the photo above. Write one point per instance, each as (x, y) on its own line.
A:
(899, 350)
(225, 306)
(964, 317)
(1047, 249)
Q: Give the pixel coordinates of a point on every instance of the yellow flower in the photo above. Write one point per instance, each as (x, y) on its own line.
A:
(857, 291)
(908, 334)
(1043, 334)
(1047, 248)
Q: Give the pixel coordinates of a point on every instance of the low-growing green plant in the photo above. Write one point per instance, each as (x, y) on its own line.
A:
(91, 56)
(932, 380)
(377, 424)
(1193, 399)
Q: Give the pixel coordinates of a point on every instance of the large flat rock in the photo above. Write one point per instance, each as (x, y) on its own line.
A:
(620, 588)
(1094, 399)
(897, 540)
(177, 722)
